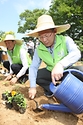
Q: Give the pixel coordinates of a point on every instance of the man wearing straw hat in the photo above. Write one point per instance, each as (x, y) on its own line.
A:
(18, 59)
(58, 52)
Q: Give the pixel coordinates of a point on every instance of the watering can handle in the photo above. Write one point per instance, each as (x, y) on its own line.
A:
(53, 87)
(75, 70)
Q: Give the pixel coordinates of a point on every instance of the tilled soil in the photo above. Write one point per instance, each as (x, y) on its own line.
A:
(31, 117)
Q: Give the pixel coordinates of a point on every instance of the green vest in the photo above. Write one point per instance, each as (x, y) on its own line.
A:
(15, 55)
(60, 51)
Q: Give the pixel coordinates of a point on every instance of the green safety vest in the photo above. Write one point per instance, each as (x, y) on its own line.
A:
(15, 55)
(60, 51)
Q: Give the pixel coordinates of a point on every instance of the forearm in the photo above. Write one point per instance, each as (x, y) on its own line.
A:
(22, 72)
(32, 77)
(33, 69)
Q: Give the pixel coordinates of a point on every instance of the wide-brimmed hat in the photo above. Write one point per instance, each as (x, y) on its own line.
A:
(10, 37)
(46, 22)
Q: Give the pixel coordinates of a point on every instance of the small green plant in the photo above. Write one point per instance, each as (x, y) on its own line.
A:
(10, 99)
(0, 78)
(6, 83)
(5, 95)
(20, 100)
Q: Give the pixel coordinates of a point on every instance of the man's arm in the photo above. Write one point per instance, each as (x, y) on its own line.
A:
(33, 69)
(74, 53)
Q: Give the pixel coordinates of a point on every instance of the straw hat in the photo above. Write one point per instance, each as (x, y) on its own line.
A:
(46, 22)
(10, 37)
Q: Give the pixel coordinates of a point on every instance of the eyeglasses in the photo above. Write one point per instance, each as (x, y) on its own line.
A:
(47, 35)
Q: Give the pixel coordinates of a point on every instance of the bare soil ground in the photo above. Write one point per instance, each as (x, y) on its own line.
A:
(12, 117)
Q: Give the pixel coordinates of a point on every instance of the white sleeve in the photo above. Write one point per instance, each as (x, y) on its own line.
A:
(10, 61)
(24, 62)
(73, 53)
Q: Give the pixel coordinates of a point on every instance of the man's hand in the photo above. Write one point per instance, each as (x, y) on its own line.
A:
(13, 80)
(8, 77)
(32, 93)
(57, 72)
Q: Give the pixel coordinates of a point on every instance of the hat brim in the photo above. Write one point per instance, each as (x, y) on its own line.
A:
(19, 42)
(59, 29)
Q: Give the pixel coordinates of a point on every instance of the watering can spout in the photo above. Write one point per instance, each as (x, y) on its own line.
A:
(56, 107)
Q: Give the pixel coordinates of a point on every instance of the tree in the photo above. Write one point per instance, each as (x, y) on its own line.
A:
(1, 33)
(28, 19)
(6, 33)
(64, 11)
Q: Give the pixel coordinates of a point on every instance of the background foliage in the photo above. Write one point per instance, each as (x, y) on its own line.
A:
(62, 12)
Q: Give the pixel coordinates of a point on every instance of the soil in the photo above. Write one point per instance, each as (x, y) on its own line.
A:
(30, 117)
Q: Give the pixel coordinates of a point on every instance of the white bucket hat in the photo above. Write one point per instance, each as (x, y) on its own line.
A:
(46, 22)
(10, 37)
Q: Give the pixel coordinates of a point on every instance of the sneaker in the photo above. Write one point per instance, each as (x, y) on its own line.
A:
(48, 94)
(23, 80)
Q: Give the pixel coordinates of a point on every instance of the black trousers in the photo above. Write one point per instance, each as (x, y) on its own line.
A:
(15, 67)
(44, 77)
